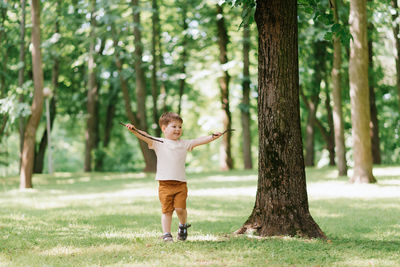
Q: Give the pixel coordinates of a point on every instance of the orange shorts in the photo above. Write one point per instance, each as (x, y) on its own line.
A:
(172, 195)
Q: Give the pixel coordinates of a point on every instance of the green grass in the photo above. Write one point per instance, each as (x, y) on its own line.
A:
(113, 219)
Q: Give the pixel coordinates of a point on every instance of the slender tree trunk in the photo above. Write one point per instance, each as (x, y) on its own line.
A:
(327, 135)
(149, 155)
(39, 155)
(395, 19)
(37, 104)
(337, 99)
(330, 142)
(226, 161)
(374, 125)
(281, 206)
(110, 114)
(359, 93)
(182, 79)
(319, 49)
(91, 133)
(154, 77)
(4, 55)
(245, 105)
(21, 74)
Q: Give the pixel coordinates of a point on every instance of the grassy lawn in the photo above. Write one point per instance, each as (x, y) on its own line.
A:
(113, 219)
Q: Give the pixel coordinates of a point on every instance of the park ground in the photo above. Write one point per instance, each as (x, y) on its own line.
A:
(113, 219)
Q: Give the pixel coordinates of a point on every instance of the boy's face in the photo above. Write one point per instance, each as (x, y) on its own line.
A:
(173, 130)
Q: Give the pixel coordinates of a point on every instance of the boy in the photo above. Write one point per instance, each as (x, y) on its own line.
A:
(171, 156)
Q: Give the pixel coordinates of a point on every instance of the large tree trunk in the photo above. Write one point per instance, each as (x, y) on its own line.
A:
(37, 104)
(91, 134)
(337, 99)
(226, 161)
(245, 105)
(281, 206)
(149, 155)
(374, 125)
(359, 94)
(396, 31)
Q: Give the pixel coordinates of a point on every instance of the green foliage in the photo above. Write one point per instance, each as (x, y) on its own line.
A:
(81, 219)
(11, 107)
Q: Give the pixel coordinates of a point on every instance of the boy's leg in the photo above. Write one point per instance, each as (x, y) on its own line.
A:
(182, 215)
(166, 199)
(166, 219)
(180, 208)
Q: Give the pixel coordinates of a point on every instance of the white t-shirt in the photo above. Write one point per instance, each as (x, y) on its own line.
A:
(171, 158)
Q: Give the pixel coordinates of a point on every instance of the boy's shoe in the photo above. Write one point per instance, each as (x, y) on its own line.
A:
(182, 231)
(167, 237)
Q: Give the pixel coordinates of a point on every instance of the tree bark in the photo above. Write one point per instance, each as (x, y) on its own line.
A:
(396, 31)
(281, 206)
(374, 125)
(359, 94)
(337, 99)
(226, 161)
(245, 105)
(92, 96)
(37, 104)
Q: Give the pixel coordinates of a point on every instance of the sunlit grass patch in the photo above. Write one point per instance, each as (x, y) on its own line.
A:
(113, 219)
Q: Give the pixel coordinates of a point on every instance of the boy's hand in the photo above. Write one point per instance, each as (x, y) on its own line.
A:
(216, 135)
(130, 126)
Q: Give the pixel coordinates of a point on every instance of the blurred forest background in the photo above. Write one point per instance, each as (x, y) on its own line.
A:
(110, 61)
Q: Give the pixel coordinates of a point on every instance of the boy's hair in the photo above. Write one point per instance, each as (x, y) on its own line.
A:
(167, 117)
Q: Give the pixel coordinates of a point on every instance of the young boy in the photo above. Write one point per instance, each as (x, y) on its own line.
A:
(171, 156)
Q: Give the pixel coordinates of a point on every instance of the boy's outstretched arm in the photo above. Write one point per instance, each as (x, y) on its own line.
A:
(141, 135)
(206, 139)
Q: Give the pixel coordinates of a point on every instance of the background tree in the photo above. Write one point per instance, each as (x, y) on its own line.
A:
(281, 206)
(245, 105)
(21, 71)
(319, 48)
(359, 93)
(37, 104)
(91, 134)
(374, 125)
(336, 77)
(226, 161)
(395, 28)
(41, 149)
(149, 155)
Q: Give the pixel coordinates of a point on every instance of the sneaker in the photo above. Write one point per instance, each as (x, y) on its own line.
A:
(167, 237)
(182, 231)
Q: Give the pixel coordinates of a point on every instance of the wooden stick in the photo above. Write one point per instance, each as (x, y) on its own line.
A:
(147, 136)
